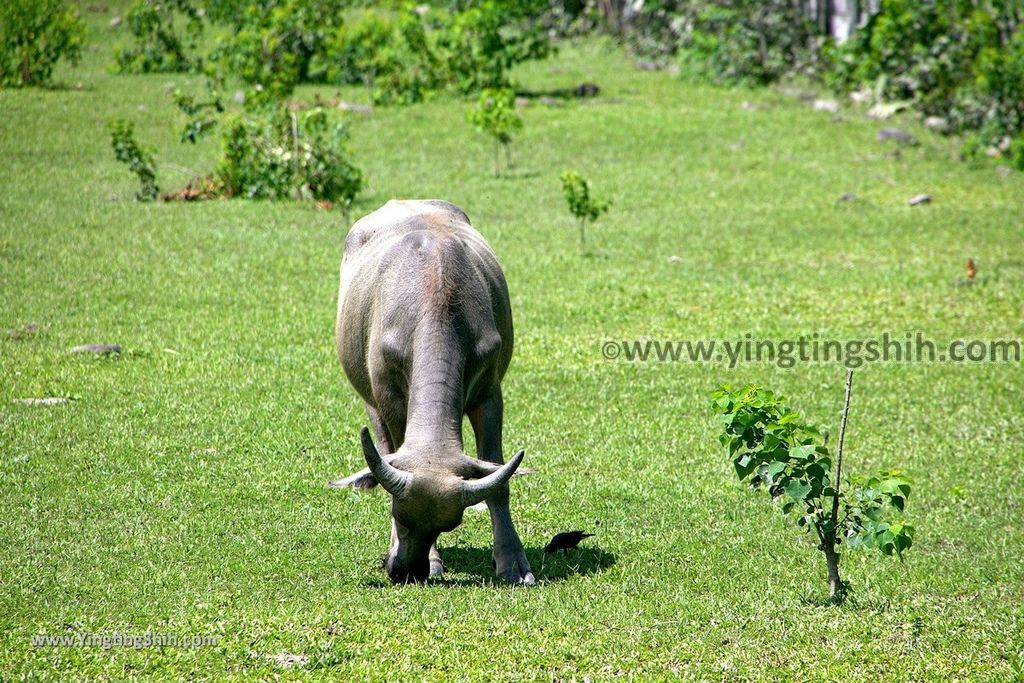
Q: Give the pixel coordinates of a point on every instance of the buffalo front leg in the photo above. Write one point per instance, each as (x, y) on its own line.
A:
(510, 561)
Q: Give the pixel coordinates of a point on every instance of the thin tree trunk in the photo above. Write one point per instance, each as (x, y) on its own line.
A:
(497, 158)
(295, 156)
(369, 79)
(836, 590)
(583, 234)
(839, 450)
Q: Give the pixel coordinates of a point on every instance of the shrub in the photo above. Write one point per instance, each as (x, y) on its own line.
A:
(202, 115)
(140, 159)
(948, 58)
(728, 41)
(34, 36)
(418, 52)
(359, 52)
(325, 166)
(747, 41)
(272, 47)
(581, 204)
(412, 71)
(276, 153)
(158, 46)
(480, 43)
(495, 115)
(771, 448)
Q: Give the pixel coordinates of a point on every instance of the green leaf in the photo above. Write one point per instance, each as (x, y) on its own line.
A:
(797, 489)
(816, 471)
(743, 466)
(802, 452)
(774, 469)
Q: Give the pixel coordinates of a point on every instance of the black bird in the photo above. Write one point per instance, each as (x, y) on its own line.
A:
(565, 541)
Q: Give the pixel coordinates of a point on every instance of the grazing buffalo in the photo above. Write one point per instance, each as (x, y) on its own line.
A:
(424, 333)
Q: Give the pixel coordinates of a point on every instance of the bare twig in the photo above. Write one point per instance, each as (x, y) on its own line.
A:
(182, 169)
(839, 449)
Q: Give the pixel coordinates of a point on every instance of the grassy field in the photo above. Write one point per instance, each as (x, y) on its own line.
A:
(183, 491)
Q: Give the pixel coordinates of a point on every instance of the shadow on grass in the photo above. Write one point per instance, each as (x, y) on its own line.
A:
(64, 87)
(853, 602)
(578, 92)
(467, 567)
(546, 568)
(518, 174)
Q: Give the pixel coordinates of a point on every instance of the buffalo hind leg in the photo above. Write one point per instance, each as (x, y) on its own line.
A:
(510, 561)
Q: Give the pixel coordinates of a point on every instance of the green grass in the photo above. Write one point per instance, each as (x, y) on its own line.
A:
(183, 492)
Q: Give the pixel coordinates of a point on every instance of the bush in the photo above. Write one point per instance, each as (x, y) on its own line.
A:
(158, 46)
(581, 204)
(480, 43)
(956, 59)
(771, 448)
(272, 47)
(728, 41)
(407, 58)
(748, 41)
(34, 36)
(948, 58)
(496, 116)
(359, 51)
(140, 159)
(277, 153)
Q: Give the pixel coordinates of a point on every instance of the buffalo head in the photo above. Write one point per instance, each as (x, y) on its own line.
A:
(429, 492)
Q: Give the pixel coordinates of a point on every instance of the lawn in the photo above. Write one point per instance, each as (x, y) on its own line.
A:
(183, 490)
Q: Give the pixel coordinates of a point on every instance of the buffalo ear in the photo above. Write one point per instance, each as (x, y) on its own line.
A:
(478, 469)
(363, 480)
(478, 490)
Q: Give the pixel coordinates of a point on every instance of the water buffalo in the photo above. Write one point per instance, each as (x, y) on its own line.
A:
(424, 334)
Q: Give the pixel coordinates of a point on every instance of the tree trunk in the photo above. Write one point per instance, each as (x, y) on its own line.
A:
(836, 591)
(26, 75)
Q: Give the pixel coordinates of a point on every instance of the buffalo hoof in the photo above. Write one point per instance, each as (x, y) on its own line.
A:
(436, 565)
(436, 568)
(514, 569)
